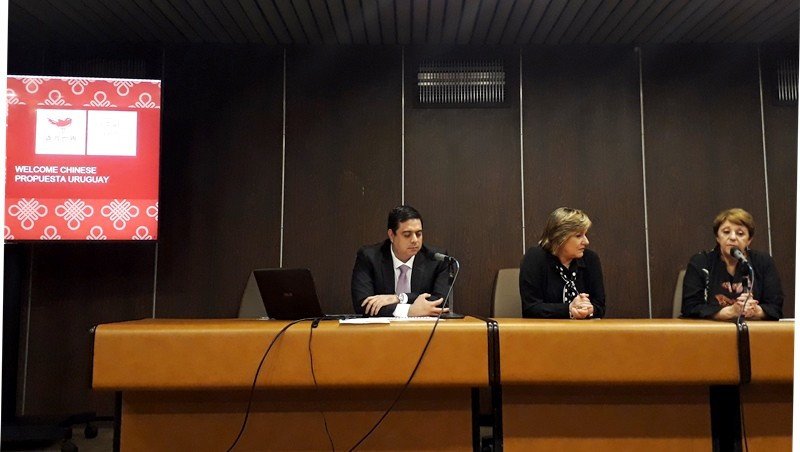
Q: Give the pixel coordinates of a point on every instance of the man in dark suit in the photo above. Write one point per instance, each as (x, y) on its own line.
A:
(396, 277)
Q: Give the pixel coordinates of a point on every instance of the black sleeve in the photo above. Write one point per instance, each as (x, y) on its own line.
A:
(772, 294)
(694, 303)
(362, 284)
(597, 291)
(532, 288)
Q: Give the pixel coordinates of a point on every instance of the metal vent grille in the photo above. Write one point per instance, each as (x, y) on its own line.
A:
(461, 83)
(787, 80)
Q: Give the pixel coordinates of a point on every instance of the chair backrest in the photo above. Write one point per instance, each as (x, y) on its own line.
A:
(506, 302)
(251, 306)
(677, 299)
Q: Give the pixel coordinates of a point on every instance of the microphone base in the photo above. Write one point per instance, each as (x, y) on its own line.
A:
(451, 315)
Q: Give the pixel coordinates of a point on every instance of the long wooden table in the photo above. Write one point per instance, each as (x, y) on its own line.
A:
(639, 384)
(566, 385)
(185, 384)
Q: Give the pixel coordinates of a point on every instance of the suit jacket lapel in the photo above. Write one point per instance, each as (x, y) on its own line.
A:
(417, 271)
(387, 269)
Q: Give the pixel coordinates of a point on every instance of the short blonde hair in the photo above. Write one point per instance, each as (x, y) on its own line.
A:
(735, 216)
(561, 223)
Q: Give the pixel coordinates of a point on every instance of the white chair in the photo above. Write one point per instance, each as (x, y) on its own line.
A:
(507, 302)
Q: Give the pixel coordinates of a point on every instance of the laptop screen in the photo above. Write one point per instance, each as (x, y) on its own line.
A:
(288, 293)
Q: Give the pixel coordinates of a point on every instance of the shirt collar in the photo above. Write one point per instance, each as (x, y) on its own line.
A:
(396, 263)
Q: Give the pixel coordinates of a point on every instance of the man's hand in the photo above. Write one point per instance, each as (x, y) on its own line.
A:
(372, 305)
(423, 308)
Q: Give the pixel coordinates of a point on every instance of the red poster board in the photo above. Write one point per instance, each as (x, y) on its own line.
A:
(82, 158)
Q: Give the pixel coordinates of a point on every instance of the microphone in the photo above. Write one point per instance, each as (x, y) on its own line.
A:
(443, 258)
(448, 301)
(737, 254)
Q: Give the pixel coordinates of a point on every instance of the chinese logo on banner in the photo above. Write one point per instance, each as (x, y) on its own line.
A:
(82, 158)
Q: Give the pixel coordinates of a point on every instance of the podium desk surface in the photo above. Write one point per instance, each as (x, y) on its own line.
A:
(167, 354)
(640, 351)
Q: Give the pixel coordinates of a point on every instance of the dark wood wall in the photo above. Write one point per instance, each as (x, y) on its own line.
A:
(583, 150)
(703, 152)
(222, 162)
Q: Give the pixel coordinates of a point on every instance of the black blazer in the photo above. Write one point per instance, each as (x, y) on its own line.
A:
(541, 286)
(767, 288)
(373, 274)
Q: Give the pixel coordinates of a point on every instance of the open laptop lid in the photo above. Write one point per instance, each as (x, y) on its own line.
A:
(288, 293)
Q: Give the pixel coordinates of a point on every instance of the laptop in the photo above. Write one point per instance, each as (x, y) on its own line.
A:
(286, 294)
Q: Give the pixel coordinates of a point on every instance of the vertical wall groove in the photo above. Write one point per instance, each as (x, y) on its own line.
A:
(283, 161)
(27, 336)
(644, 185)
(155, 280)
(403, 125)
(521, 155)
(764, 151)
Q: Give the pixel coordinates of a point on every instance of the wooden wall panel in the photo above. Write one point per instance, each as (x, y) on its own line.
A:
(462, 173)
(220, 176)
(583, 150)
(343, 167)
(780, 133)
(75, 286)
(704, 152)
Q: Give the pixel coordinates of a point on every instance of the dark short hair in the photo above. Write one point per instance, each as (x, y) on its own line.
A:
(736, 216)
(400, 214)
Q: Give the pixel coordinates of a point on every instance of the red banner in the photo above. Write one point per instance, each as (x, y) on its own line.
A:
(82, 159)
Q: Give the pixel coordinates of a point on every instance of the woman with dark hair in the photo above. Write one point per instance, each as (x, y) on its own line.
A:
(561, 278)
(716, 282)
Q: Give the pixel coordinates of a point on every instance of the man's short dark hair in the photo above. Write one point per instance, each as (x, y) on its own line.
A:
(400, 214)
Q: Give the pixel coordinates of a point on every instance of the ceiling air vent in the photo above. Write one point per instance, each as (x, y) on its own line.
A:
(461, 83)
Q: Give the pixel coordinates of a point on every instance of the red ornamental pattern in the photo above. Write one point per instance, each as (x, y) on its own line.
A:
(118, 199)
(81, 219)
(84, 92)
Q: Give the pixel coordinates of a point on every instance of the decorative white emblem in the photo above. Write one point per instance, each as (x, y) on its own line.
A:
(74, 212)
(78, 85)
(152, 211)
(120, 212)
(7, 233)
(145, 101)
(27, 211)
(32, 84)
(96, 233)
(12, 97)
(50, 233)
(142, 233)
(123, 87)
(100, 100)
(54, 97)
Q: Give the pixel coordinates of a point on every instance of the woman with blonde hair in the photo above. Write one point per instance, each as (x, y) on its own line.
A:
(561, 278)
(718, 283)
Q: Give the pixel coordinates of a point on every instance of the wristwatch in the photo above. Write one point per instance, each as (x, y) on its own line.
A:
(402, 298)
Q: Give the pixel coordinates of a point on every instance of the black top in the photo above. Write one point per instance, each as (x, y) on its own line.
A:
(373, 274)
(542, 287)
(723, 288)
